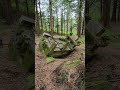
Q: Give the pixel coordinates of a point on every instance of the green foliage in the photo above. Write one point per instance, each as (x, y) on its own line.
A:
(69, 9)
(21, 48)
(81, 40)
(49, 60)
(62, 76)
(73, 63)
(31, 82)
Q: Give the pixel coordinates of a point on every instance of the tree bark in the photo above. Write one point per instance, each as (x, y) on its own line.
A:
(87, 7)
(61, 21)
(114, 11)
(7, 10)
(106, 12)
(51, 19)
(27, 8)
(41, 21)
(37, 24)
(118, 11)
(17, 5)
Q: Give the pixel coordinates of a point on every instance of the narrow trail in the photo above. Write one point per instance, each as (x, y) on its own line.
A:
(106, 66)
(44, 72)
(12, 77)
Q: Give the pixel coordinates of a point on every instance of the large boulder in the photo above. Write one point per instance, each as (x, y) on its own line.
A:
(21, 46)
(95, 38)
(56, 45)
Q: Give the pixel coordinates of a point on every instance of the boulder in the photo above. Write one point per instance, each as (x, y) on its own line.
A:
(21, 46)
(56, 45)
(95, 38)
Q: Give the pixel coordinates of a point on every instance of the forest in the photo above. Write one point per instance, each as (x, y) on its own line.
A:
(60, 44)
(102, 44)
(17, 44)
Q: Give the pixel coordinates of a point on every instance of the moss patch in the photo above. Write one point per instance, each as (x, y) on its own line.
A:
(49, 60)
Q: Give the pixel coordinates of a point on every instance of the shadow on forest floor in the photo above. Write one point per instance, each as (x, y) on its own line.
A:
(11, 76)
(103, 72)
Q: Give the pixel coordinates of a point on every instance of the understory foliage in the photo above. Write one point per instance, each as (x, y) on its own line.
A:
(21, 48)
(70, 80)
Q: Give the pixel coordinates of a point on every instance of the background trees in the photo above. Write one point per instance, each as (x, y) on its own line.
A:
(105, 11)
(13, 9)
(61, 16)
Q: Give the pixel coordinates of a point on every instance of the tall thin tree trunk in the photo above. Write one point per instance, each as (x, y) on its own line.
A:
(87, 7)
(79, 20)
(101, 9)
(7, 10)
(41, 21)
(71, 26)
(106, 12)
(37, 25)
(57, 20)
(114, 11)
(62, 22)
(118, 11)
(51, 19)
(17, 5)
(27, 7)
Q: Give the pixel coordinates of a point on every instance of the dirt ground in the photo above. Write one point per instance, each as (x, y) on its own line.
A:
(12, 77)
(103, 72)
(45, 74)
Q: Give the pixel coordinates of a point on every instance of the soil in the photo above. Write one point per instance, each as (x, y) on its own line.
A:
(12, 77)
(103, 72)
(47, 75)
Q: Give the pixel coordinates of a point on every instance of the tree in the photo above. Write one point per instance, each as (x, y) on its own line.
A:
(106, 12)
(37, 19)
(7, 10)
(41, 21)
(17, 5)
(87, 7)
(51, 18)
(114, 11)
(27, 8)
(118, 11)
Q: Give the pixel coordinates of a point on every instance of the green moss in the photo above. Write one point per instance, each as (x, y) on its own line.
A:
(74, 63)
(49, 60)
(81, 40)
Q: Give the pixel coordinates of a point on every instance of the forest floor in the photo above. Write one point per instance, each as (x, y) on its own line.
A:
(103, 72)
(12, 77)
(57, 75)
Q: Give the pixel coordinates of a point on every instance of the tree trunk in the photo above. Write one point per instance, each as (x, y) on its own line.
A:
(87, 7)
(51, 19)
(41, 21)
(68, 17)
(7, 10)
(57, 20)
(119, 11)
(79, 20)
(62, 22)
(114, 11)
(101, 9)
(17, 5)
(71, 26)
(106, 12)
(27, 7)
(37, 25)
